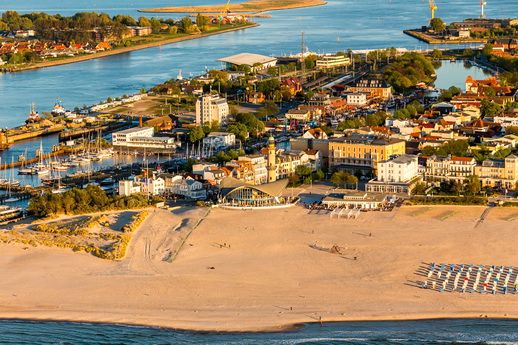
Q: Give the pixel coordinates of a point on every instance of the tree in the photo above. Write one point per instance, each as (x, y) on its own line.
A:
(436, 54)
(186, 24)
(202, 22)
(143, 21)
(419, 189)
(319, 175)
(489, 108)
(437, 25)
(239, 130)
(472, 185)
(342, 178)
(196, 134)
(156, 26)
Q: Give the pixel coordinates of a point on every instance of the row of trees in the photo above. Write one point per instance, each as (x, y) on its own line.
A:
(80, 201)
(79, 26)
(410, 111)
(376, 119)
(470, 187)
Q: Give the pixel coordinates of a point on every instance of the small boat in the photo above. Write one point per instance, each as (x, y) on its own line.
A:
(8, 213)
(10, 200)
(60, 167)
(24, 171)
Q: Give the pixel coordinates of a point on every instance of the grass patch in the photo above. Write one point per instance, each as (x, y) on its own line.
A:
(90, 234)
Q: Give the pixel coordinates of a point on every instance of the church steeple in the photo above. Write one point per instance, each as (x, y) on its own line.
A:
(272, 175)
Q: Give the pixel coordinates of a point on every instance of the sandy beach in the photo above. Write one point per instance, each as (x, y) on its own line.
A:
(265, 270)
(126, 49)
(250, 6)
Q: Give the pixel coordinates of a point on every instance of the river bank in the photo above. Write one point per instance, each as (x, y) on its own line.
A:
(252, 273)
(117, 51)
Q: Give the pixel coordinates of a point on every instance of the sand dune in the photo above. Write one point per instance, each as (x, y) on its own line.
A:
(264, 270)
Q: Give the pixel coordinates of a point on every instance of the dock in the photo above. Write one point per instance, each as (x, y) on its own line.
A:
(422, 36)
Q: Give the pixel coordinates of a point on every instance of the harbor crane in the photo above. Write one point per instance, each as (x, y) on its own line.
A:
(226, 9)
(433, 8)
(483, 4)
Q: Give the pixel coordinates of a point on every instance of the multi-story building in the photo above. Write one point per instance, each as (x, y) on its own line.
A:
(219, 140)
(358, 153)
(128, 187)
(375, 88)
(395, 175)
(211, 108)
(498, 172)
(141, 139)
(456, 169)
(357, 98)
(259, 167)
(186, 187)
(299, 115)
(332, 61)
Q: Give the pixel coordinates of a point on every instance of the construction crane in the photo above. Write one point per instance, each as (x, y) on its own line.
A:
(433, 8)
(483, 4)
(226, 9)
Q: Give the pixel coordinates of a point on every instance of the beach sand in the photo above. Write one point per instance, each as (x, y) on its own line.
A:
(265, 270)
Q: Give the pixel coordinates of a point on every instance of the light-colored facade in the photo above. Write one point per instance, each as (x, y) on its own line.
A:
(332, 61)
(153, 186)
(498, 172)
(128, 187)
(219, 140)
(456, 169)
(299, 115)
(259, 167)
(395, 175)
(355, 200)
(210, 108)
(142, 139)
(375, 88)
(186, 187)
(357, 98)
(362, 152)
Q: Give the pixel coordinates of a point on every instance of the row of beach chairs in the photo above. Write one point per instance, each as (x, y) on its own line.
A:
(468, 278)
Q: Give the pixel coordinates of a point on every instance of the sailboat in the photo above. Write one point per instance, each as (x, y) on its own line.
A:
(24, 170)
(9, 186)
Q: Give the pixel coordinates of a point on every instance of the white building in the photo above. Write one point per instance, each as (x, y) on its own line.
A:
(298, 114)
(128, 187)
(152, 185)
(255, 62)
(357, 98)
(400, 169)
(210, 108)
(332, 61)
(506, 121)
(219, 140)
(395, 175)
(142, 139)
(187, 187)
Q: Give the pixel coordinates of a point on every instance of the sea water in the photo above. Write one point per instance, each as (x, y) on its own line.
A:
(426, 332)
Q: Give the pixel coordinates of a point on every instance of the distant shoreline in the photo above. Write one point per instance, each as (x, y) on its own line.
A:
(123, 50)
(251, 6)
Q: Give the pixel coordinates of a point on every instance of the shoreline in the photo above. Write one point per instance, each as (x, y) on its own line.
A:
(124, 50)
(203, 9)
(281, 328)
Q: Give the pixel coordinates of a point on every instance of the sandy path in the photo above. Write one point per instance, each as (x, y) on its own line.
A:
(251, 270)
